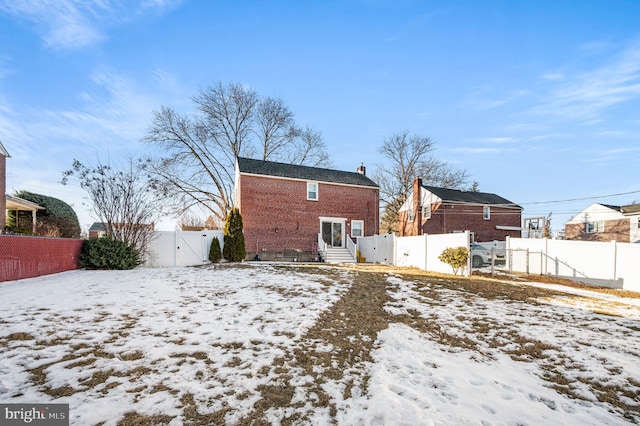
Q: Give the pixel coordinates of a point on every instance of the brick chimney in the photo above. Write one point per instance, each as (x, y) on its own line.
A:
(417, 206)
(362, 169)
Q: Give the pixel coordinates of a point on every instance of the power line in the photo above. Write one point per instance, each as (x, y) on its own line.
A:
(581, 199)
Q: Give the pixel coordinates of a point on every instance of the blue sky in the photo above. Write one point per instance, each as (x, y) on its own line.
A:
(538, 100)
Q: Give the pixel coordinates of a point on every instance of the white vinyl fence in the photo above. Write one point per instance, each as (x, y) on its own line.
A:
(377, 248)
(182, 248)
(608, 264)
(420, 251)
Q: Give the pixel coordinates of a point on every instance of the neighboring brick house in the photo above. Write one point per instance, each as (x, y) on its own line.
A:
(604, 222)
(286, 208)
(99, 229)
(3, 186)
(488, 217)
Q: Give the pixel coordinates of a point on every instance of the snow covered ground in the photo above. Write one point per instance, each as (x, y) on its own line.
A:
(218, 345)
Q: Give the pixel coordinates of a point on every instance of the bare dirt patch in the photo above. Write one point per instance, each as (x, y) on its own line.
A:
(336, 350)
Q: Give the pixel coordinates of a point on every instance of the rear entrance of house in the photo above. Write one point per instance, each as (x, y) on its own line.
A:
(332, 232)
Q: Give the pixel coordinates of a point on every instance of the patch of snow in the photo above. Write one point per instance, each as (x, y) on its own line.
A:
(215, 334)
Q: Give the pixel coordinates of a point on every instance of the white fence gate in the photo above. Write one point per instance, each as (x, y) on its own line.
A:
(181, 248)
(377, 248)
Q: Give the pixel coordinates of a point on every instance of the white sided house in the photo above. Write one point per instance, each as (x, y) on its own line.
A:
(604, 222)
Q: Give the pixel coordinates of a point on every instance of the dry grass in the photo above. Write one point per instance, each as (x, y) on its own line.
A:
(350, 329)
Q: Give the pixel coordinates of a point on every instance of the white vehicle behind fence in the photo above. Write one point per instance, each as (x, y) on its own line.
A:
(481, 254)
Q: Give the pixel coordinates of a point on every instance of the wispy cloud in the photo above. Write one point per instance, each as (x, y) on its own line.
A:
(547, 136)
(553, 76)
(596, 47)
(484, 99)
(617, 151)
(113, 115)
(479, 150)
(109, 122)
(588, 95)
(73, 24)
(497, 140)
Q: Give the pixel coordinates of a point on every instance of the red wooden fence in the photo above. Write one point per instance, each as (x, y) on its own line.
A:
(25, 257)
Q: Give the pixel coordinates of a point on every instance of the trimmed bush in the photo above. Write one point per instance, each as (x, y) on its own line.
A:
(56, 214)
(107, 253)
(456, 257)
(234, 249)
(215, 255)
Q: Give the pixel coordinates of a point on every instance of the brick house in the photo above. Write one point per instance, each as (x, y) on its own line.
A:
(292, 211)
(3, 186)
(604, 222)
(99, 229)
(436, 210)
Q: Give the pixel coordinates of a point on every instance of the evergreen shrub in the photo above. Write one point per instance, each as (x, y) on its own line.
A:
(107, 253)
(234, 248)
(215, 254)
(56, 213)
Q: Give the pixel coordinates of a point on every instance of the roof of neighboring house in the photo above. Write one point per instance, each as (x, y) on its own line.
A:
(3, 151)
(271, 168)
(470, 197)
(17, 203)
(102, 227)
(97, 227)
(630, 209)
(609, 206)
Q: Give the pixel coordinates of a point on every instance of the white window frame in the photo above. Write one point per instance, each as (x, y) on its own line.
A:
(486, 212)
(426, 212)
(594, 227)
(361, 228)
(317, 190)
(410, 215)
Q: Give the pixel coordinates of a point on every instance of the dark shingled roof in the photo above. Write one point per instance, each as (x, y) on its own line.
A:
(612, 207)
(271, 168)
(473, 197)
(97, 227)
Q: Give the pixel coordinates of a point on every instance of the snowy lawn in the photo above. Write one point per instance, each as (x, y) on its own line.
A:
(261, 344)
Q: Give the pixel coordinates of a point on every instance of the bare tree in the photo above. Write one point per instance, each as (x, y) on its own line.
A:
(199, 152)
(229, 116)
(193, 171)
(407, 157)
(309, 149)
(275, 128)
(120, 199)
(190, 222)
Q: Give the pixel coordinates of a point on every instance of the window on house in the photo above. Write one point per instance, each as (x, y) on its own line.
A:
(410, 215)
(312, 191)
(486, 212)
(593, 227)
(357, 228)
(426, 212)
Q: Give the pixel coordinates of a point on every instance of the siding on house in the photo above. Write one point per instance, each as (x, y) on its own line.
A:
(276, 214)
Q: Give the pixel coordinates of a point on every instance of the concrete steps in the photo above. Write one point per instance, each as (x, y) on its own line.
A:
(339, 255)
